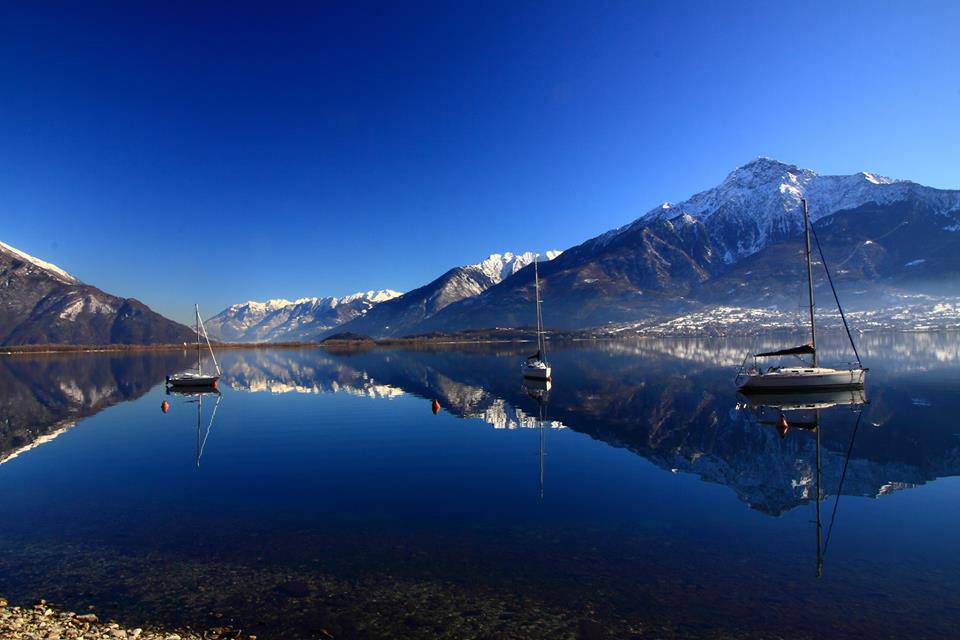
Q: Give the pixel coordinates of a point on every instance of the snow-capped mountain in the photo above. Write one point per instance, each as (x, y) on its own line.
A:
(33, 264)
(40, 303)
(500, 266)
(759, 204)
(397, 317)
(737, 243)
(285, 320)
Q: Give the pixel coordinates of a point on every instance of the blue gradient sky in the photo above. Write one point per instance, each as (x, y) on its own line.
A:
(177, 154)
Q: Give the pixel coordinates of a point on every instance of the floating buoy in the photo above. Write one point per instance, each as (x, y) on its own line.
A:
(164, 406)
(783, 426)
(436, 407)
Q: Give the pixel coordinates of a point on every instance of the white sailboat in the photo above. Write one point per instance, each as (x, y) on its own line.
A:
(197, 378)
(536, 366)
(805, 377)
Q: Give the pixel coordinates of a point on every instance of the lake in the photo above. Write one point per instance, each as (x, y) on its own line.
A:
(639, 496)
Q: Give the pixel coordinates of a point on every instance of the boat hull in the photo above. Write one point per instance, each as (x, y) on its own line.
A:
(193, 381)
(536, 373)
(799, 379)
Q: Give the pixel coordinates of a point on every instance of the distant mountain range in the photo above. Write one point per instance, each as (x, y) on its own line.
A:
(404, 314)
(726, 256)
(730, 255)
(306, 319)
(43, 304)
(738, 243)
(379, 313)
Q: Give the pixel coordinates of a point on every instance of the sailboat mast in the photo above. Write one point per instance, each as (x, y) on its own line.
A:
(196, 309)
(806, 238)
(216, 365)
(536, 295)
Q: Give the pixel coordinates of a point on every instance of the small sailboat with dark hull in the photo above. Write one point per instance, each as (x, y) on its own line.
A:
(197, 379)
(536, 366)
(806, 376)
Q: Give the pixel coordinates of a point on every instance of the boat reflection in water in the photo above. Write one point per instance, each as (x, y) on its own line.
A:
(195, 396)
(803, 410)
(539, 390)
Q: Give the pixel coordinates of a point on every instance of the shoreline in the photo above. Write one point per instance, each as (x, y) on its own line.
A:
(480, 337)
(43, 621)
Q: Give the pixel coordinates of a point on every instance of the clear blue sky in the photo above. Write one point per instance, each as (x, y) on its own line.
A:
(233, 152)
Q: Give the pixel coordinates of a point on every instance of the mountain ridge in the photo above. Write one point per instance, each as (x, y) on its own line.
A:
(735, 244)
(399, 316)
(277, 320)
(659, 264)
(43, 304)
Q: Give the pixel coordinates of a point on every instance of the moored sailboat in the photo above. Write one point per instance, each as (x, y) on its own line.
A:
(536, 366)
(197, 378)
(806, 377)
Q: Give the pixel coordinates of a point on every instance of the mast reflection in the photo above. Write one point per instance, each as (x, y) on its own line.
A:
(539, 390)
(804, 411)
(196, 396)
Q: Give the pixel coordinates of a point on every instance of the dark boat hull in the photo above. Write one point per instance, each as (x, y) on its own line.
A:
(197, 382)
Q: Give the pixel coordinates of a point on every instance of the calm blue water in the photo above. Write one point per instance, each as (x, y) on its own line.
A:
(328, 500)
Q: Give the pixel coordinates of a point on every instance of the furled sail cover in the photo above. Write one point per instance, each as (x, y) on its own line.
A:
(535, 356)
(792, 351)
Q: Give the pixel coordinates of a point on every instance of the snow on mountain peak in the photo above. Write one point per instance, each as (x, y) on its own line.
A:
(499, 266)
(762, 201)
(261, 307)
(51, 269)
(282, 319)
(277, 304)
(370, 296)
(875, 179)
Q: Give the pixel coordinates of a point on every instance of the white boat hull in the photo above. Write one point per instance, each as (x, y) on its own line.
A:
(804, 379)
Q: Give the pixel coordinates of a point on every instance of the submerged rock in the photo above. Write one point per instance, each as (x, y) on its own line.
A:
(41, 622)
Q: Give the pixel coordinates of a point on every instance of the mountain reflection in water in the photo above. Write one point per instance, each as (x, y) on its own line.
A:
(670, 401)
(514, 512)
(41, 396)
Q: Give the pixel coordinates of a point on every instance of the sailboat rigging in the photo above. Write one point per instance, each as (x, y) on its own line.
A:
(536, 366)
(806, 377)
(197, 378)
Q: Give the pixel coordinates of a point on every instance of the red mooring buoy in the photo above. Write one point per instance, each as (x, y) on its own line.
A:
(436, 407)
(164, 406)
(783, 426)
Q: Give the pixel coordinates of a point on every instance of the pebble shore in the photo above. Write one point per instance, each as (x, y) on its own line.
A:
(41, 622)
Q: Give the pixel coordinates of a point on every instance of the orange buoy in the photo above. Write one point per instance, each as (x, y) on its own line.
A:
(783, 426)
(164, 406)
(436, 407)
